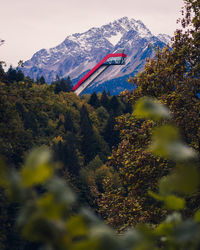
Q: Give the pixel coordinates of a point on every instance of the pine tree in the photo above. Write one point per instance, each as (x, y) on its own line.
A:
(11, 74)
(2, 73)
(69, 84)
(89, 144)
(30, 121)
(42, 80)
(94, 101)
(57, 88)
(62, 84)
(114, 106)
(68, 124)
(19, 76)
(111, 136)
(69, 150)
(104, 100)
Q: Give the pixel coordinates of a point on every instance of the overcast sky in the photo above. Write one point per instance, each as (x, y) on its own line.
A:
(30, 25)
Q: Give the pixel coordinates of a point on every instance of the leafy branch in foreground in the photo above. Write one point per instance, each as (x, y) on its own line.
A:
(49, 214)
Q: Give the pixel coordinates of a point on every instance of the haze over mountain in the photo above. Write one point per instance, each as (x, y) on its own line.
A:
(80, 52)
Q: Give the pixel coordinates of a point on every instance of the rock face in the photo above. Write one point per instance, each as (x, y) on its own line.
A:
(80, 52)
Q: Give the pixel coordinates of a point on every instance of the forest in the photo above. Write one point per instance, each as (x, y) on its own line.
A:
(100, 171)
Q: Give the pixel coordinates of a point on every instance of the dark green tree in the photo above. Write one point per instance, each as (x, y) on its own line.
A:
(68, 124)
(42, 80)
(30, 121)
(65, 152)
(94, 101)
(62, 84)
(20, 109)
(71, 159)
(11, 74)
(57, 88)
(19, 76)
(114, 106)
(111, 136)
(89, 143)
(104, 100)
(28, 81)
(69, 84)
(2, 73)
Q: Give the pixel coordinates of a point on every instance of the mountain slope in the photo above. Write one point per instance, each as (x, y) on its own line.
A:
(80, 52)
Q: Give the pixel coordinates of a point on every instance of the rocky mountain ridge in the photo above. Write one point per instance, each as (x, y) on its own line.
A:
(80, 52)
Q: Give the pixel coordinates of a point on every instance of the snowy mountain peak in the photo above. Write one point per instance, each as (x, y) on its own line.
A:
(125, 24)
(79, 52)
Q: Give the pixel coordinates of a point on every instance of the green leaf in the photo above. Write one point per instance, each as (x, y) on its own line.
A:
(174, 203)
(49, 208)
(76, 226)
(171, 201)
(105, 235)
(184, 180)
(197, 216)
(180, 151)
(166, 143)
(164, 229)
(86, 245)
(174, 218)
(155, 196)
(162, 137)
(37, 168)
(62, 192)
(39, 229)
(10, 181)
(150, 109)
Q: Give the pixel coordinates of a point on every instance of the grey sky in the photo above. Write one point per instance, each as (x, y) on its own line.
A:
(30, 25)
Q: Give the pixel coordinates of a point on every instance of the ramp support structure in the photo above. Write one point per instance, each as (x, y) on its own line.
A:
(105, 63)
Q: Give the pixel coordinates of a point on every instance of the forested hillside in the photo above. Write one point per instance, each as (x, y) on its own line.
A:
(144, 176)
(79, 131)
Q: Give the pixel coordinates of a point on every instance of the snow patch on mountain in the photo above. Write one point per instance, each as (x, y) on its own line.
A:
(114, 39)
(164, 38)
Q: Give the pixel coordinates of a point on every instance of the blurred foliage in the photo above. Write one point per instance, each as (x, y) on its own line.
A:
(49, 215)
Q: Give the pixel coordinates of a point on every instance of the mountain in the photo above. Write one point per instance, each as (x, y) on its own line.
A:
(80, 52)
(164, 38)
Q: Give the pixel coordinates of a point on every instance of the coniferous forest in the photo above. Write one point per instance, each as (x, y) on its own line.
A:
(100, 171)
